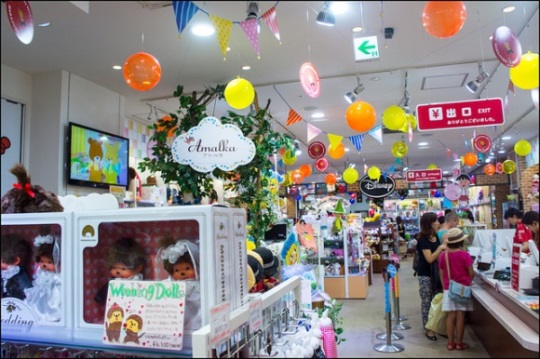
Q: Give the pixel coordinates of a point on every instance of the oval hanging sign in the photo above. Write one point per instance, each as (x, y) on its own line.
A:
(377, 188)
(20, 18)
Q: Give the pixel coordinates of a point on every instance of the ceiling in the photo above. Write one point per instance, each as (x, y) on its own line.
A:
(431, 69)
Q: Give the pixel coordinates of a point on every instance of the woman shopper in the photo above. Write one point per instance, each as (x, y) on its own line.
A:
(429, 250)
(460, 263)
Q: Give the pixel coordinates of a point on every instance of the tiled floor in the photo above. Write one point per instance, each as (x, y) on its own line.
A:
(364, 319)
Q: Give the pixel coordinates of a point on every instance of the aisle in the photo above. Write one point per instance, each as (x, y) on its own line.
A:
(364, 319)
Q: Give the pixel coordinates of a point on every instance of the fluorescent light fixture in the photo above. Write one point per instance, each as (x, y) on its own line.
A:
(423, 143)
(325, 16)
(317, 115)
(405, 168)
(506, 138)
(509, 8)
(246, 67)
(117, 67)
(350, 97)
(472, 86)
(339, 7)
(357, 29)
(203, 30)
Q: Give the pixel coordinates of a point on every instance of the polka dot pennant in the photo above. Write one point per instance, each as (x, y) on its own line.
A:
(223, 27)
(250, 27)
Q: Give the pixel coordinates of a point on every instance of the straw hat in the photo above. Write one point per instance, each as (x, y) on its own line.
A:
(455, 235)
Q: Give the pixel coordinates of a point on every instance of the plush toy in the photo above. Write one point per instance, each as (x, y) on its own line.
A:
(255, 263)
(96, 156)
(126, 259)
(16, 254)
(27, 198)
(290, 253)
(270, 267)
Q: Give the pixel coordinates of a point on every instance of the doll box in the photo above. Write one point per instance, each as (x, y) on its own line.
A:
(45, 312)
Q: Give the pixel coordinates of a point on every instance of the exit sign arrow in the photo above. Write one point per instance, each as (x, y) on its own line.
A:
(364, 47)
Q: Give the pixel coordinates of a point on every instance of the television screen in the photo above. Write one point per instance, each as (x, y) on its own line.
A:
(97, 159)
(278, 232)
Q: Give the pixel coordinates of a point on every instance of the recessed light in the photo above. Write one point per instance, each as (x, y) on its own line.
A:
(422, 143)
(117, 67)
(317, 115)
(357, 29)
(506, 138)
(509, 8)
(423, 147)
(246, 67)
(347, 149)
(44, 24)
(228, 49)
(445, 172)
(203, 30)
(376, 78)
(339, 7)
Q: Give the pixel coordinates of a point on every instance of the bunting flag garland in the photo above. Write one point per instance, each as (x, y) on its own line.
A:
(294, 117)
(312, 132)
(250, 27)
(357, 141)
(510, 87)
(366, 168)
(223, 32)
(376, 133)
(271, 20)
(183, 12)
(334, 139)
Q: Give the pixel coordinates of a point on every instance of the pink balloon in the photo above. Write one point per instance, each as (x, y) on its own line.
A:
(506, 46)
(321, 165)
(452, 191)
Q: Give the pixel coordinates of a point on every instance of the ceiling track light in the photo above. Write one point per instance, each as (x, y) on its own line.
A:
(472, 86)
(297, 150)
(350, 97)
(252, 11)
(325, 16)
(149, 117)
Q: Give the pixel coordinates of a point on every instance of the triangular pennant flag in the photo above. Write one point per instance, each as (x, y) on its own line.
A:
(312, 132)
(271, 20)
(250, 27)
(511, 87)
(294, 117)
(223, 27)
(391, 169)
(281, 151)
(366, 168)
(183, 12)
(334, 139)
(376, 133)
(357, 141)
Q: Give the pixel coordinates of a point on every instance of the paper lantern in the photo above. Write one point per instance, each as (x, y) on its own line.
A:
(309, 79)
(399, 149)
(443, 19)
(470, 159)
(239, 93)
(432, 166)
(374, 173)
(306, 170)
(525, 74)
(350, 175)
(522, 148)
(509, 167)
(489, 169)
(330, 179)
(142, 71)
(506, 46)
(289, 158)
(394, 118)
(361, 116)
(337, 151)
(321, 165)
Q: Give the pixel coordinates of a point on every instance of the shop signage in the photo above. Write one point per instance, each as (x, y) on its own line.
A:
(211, 144)
(377, 188)
(463, 114)
(423, 175)
(516, 260)
(365, 48)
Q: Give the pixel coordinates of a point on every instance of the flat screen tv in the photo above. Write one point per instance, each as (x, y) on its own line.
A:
(97, 159)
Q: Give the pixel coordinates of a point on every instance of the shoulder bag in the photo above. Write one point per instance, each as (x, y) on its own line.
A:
(457, 292)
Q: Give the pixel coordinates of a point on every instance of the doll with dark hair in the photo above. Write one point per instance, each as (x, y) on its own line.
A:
(16, 255)
(126, 259)
(180, 259)
(45, 297)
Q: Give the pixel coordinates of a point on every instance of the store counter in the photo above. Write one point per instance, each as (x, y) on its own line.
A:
(503, 319)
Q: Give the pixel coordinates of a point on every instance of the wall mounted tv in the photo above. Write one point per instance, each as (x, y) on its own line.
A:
(97, 159)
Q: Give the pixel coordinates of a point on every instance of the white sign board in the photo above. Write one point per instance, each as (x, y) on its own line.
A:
(365, 48)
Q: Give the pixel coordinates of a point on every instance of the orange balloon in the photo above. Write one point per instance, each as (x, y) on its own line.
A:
(306, 170)
(361, 116)
(470, 159)
(337, 151)
(330, 179)
(142, 71)
(297, 176)
(443, 19)
(489, 169)
(162, 128)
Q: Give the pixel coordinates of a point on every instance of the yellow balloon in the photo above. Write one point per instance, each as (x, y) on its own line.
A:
(394, 117)
(350, 175)
(374, 173)
(522, 148)
(286, 180)
(525, 74)
(509, 167)
(399, 149)
(239, 93)
(412, 120)
(289, 158)
(432, 166)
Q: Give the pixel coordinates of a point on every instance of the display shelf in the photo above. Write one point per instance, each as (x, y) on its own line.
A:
(382, 243)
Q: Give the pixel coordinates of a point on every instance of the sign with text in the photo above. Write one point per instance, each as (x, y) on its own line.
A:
(365, 48)
(423, 175)
(220, 326)
(380, 188)
(463, 114)
(255, 314)
(146, 314)
(516, 262)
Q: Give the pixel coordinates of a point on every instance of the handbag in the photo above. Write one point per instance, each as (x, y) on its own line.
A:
(436, 317)
(456, 291)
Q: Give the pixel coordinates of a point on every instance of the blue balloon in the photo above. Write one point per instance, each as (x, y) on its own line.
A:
(437, 194)
(351, 200)
(299, 197)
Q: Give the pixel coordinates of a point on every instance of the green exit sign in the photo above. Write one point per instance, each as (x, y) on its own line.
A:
(366, 48)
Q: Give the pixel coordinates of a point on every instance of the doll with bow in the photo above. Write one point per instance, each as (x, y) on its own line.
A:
(180, 258)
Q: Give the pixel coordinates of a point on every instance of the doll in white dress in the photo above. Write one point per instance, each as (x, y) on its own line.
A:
(180, 259)
(45, 297)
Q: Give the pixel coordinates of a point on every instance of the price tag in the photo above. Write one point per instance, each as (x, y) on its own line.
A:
(255, 314)
(220, 326)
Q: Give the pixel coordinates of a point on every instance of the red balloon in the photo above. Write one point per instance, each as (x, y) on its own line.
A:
(489, 169)
(142, 71)
(443, 19)
(321, 164)
(361, 116)
(506, 46)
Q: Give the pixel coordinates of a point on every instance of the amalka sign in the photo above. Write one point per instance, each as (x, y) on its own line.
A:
(377, 188)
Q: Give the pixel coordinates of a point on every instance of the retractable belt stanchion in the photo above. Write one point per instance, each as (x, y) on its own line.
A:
(388, 347)
(399, 325)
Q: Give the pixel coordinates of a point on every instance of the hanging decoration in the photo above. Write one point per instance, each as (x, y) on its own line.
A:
(270, 18)
(452, 191)
(297, 176)
(357, 141)
(522, 148)
(251, 29)
(394, 118)
(506, 46)
(336, 151)
(399, 149)
(443, 19)
(312, 132)
(361, 116)
(20, 19)
(432, 166)
(309, 79)
(525, 74)
(350, 175)
(470, 159)
(316, 150)
(142, 71)
(482, 143)
(289, 157)
(162, 127)
(499, 168)
(534, 96)
(330, 179)
(223, 32)
(374, 173)
(305, 170)
(489, 169)
(376, 133)
(509, 167)
(321, 164)
(239, 93)
(183, 12)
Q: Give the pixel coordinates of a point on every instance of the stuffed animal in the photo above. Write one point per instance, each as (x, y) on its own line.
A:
(270, 267)
(27, 198)
(16, 255)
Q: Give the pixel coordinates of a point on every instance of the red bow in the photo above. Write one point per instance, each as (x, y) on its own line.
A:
(26, 187)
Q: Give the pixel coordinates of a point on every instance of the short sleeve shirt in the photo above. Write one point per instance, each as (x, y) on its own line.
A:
(424, 268)
(523, 233)
(459, 262)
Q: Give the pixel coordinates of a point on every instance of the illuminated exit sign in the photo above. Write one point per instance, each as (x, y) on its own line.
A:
(365, 48)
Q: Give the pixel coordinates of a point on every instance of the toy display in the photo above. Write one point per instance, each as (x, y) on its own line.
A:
(255, 263)
(45, 297)
(126, 259)
(464, 181)
(290, 253)
(181, 260)
(16, 255)
(270, 267)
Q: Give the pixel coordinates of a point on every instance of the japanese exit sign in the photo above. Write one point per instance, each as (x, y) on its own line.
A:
(365, 48)
(423, 175)
(464, 114)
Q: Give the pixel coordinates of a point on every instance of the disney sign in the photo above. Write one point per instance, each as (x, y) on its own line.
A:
(380, 188)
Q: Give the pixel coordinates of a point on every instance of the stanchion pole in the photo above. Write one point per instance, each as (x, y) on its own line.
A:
(388, 347)
(399, 325)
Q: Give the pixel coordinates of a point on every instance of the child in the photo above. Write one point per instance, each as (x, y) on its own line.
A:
(45, 297)
(461, 271)
(16, 254)
(180, 259)
(126, 259)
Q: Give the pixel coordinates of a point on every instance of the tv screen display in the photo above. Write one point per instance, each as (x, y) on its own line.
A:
(278, 232)
(97, 159)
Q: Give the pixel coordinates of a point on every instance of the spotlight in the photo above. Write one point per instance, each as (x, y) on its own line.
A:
(252, 11)
(472, 86)
(297, 150)
(325, 16)
(351, 96)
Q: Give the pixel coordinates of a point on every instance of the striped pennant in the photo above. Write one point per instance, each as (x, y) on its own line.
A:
(271, 21)
(357, 141)
(183, 12)
(294, 117)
